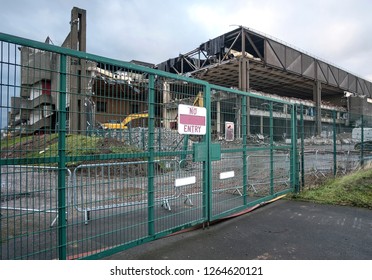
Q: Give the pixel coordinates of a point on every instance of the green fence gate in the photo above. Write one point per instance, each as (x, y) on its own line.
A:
(254, 164)
(92, 162)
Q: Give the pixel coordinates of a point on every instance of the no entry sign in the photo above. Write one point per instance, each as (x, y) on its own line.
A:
(192, 120)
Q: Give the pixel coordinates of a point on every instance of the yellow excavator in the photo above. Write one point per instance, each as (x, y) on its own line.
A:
(199, 100)
(124, 123)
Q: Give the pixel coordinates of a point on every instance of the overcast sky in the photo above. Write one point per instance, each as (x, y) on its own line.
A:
(155, 30)
(336, 31)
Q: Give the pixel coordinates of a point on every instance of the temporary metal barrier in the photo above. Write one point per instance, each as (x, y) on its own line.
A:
(320, 163)
(31, 189)
(323, 163)
(259, 177)
(227, 175)
(179, 184)
(347, 161)
(258, 171)
(104, 186)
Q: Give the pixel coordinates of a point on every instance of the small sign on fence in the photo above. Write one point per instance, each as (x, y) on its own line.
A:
(192, 120)
(229, 131)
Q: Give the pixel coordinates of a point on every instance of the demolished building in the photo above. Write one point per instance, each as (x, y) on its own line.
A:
(251, 61)
(242, 59)
(34, 111)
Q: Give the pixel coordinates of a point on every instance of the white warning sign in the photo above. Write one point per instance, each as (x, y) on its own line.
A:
(192, 120)
(229, 131)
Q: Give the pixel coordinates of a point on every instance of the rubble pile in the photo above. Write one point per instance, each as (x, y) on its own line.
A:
(164, 139)
(170, 140)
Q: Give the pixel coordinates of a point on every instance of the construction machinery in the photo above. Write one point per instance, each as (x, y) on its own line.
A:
(199, 101)
(125, 122)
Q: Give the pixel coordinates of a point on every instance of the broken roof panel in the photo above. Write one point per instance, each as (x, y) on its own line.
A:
(275, 67)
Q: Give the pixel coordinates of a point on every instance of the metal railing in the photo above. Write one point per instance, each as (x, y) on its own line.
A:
(103, 186)
(30, 189)
(260, 173)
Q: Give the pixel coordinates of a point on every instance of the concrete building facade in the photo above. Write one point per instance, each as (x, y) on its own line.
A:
(34, 111)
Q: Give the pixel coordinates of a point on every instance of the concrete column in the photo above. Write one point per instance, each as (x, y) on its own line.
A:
(218, 105)
(244, 85)
(238, 116)
(317, 97)
(285, 112)
(261, 125)
(77, 84)
(166, 99)
(82, 71)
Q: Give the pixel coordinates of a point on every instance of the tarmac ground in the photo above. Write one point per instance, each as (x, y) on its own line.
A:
(281, 230)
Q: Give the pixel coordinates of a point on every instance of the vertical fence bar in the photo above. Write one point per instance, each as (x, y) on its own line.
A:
(185, 147)
(159, 139)
(244, 135)
(1, 142)
(62, 236)
(271, 148)
(334, 144)
(362, 142)
(150, 165)
(302, 125)
(207, 169)
(293, 165)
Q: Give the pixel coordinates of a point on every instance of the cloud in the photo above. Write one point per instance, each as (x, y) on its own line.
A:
(153, 31)
(143, 30)
(35, 21)
(224, 16)
(156, 30)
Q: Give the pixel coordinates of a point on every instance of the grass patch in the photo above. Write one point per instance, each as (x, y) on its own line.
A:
(45, 146)
(76, 145)
(352, 190)
(19, 141)
(12, 141)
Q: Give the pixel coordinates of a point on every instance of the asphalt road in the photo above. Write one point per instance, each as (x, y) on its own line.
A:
(282, 230)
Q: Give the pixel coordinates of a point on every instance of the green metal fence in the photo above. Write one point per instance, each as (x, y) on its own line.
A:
(341, 148)
(92, 162)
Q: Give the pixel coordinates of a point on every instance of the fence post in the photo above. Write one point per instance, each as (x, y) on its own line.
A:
(294, 163)
(151, 158)
(244, 135)
(302, 135)
(334, 144)
(362, 142)
(207, 188)
(62, 236)
(271, 127)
